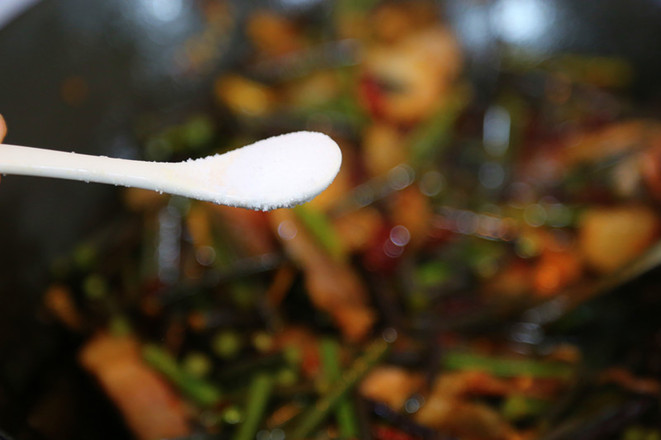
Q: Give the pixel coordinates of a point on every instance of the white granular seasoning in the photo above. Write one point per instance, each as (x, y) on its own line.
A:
(273, 173)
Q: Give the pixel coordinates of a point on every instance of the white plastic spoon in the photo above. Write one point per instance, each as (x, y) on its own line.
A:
(273, 173)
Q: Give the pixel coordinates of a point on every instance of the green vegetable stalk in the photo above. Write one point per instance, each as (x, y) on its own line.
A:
(345, 413)
(314, 416)
(507, 367)
(321, 229)
(258, 397)
(199, 390)
(432, 136)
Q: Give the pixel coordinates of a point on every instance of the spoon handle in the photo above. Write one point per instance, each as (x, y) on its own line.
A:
(31, 161)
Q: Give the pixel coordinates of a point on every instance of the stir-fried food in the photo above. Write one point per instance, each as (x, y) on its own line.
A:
(438, 289)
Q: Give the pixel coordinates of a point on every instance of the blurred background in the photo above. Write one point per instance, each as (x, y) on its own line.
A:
(483, 267)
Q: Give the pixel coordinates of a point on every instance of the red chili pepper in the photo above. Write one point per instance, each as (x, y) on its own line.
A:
(388, 433)
(371, 95)
(383, 255)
